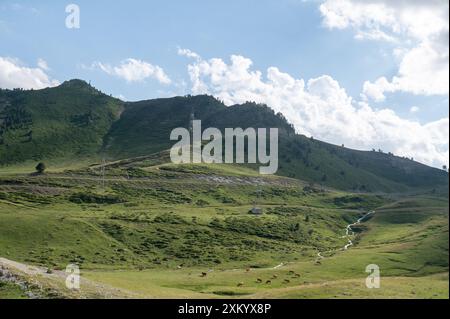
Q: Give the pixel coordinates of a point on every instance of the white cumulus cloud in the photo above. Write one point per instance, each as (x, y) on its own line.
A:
(320, 107)
(414, 109)
(43, 64)
(188, 53)
(420, 29)
(133, 70)
(13, 74)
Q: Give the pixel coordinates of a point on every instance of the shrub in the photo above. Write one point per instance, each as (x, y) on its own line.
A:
(40, 168)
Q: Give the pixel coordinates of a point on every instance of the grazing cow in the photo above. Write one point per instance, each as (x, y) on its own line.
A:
(291, 272)
(258, 280)
(286, 281)
(240, 284)
(268, 282)
(247, 270)
(274, 277)
(203, 274)
(296, 275)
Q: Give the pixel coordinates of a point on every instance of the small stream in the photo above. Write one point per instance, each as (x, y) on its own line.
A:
(349, 232)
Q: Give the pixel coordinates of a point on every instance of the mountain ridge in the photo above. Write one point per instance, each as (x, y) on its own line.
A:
(77, 120)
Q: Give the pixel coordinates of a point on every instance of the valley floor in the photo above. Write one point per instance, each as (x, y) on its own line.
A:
(24, 281)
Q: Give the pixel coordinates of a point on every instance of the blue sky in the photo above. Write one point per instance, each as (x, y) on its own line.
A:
(294, 36)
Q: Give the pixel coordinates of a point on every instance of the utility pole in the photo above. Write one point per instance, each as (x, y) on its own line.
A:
(191, 121)
(103, 173)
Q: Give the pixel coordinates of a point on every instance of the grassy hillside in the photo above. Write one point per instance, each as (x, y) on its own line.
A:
(64, 122)
(153, 228)
(76, 123)
(165, 217)
(363, 171)
(145, 127)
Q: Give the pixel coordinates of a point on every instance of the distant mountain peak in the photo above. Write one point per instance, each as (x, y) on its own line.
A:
(75, 83)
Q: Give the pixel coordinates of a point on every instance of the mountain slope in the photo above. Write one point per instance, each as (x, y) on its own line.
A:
(77, 121)
(145, 127)
(69, 120)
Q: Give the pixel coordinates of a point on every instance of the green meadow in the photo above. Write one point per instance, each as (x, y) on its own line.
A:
(155, 230)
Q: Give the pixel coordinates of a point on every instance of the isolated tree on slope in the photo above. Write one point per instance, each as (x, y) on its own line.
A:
(40, 168)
